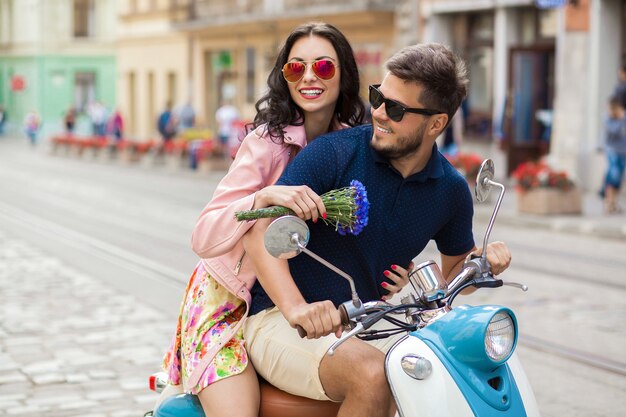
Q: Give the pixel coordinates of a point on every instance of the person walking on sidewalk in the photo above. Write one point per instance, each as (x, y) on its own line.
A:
(3, 119)
(31, 126)
(313, 89)
(415, 195)
(615, 149)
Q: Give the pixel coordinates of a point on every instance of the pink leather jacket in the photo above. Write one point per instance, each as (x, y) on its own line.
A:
(217, 235)
(259, 163)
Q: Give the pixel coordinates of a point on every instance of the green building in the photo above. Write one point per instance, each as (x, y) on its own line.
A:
(55, 56)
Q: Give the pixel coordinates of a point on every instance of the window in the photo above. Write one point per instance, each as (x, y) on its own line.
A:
(151, 103)
(250, 73)
(84, 18)
(171, 87)
(132, 101)
(84, 90)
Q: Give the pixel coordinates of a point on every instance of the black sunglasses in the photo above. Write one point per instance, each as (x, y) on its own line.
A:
(395, 111)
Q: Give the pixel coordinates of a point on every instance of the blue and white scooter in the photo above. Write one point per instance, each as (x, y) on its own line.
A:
(453, 362)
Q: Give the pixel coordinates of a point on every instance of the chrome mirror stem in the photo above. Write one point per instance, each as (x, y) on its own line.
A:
(493, 215)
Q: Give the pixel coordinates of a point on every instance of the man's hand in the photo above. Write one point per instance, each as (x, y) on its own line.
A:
(317, 319)
(498, 256)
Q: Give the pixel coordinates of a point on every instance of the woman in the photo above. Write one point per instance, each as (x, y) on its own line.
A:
(313, 89)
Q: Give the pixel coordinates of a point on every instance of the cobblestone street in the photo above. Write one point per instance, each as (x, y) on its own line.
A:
(70, 346)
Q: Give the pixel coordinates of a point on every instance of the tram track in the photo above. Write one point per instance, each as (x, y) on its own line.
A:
(155, 271)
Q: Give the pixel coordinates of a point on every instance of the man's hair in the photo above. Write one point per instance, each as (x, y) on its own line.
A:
(440, 72)
(277, 108)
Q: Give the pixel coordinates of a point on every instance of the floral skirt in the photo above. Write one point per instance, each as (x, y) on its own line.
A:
(207, 311)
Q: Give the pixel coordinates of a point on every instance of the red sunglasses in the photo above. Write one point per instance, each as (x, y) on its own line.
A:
(324, 69)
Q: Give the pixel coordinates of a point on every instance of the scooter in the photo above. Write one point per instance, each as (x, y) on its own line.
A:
(453, 362)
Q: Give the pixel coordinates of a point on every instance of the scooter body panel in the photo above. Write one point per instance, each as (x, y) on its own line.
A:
(180, 405)
(435, 396)
(467, 387)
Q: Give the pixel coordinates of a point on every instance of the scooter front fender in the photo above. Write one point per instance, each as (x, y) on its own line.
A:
(445, 394)
(435, 396)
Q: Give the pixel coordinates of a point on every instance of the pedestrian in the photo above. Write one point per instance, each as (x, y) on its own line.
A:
(312, 89)
(70, 121)
(3, 119)
(186, 117)
(226, 117)
(166, 124)
(115, 126)
(415, 195)
(615, 150)
(31, 126)
(98, 115)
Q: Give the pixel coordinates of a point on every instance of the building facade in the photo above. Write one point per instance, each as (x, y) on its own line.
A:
(55, 55)
(541, 71)
(540, 74)
(207, 52)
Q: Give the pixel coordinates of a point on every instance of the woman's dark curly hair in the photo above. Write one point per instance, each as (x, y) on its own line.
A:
(278, 110)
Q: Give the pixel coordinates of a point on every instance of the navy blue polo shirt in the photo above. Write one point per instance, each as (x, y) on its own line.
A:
(404, 215)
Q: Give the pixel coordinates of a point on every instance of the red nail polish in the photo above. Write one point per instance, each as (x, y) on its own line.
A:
(324, 215)
(315, 221)
(394, 267)
(386, 273)
(384, 284)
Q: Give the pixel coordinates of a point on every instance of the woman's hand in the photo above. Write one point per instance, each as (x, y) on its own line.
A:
(303, 201)
(399, 276)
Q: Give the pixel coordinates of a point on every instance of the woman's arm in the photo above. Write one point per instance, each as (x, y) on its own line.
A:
(246, 186)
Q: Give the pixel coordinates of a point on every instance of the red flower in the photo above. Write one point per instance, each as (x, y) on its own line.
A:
(538, 174)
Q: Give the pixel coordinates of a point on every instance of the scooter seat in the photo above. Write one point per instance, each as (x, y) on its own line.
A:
(277, 403)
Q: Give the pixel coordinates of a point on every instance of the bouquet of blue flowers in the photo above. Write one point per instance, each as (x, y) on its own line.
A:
(346, 209)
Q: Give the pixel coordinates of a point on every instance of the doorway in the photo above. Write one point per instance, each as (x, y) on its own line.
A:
(528, 116)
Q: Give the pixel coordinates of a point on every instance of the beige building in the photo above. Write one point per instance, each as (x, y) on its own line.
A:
(541, 70)
(210, 51)
(153, 63)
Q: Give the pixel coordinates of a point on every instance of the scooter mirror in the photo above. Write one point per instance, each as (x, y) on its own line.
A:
(286, 236)
(483, 180)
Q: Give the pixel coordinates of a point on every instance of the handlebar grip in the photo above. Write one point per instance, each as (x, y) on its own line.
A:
(301, 332)
(343, 313)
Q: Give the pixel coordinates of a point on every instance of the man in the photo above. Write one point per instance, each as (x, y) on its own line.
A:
(415, 195)
(166, 124)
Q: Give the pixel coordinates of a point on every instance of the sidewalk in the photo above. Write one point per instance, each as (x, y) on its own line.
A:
(593, 221)
(69, 345)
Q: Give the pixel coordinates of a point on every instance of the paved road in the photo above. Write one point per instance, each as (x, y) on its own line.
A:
(94, 256)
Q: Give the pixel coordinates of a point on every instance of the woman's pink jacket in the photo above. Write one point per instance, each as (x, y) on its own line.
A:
(217, 235)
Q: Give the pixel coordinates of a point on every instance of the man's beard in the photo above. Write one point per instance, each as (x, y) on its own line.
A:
(404, 146)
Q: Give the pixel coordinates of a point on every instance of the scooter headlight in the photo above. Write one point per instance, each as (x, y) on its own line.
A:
(500, 337)
(482, 337)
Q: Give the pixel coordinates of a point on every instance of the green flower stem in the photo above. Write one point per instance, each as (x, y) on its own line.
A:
(263, 213)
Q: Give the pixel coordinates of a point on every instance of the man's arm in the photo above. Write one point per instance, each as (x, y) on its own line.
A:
(317, 319)
(498, 256)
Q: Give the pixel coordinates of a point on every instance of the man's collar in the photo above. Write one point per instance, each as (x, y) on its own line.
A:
(433, 169)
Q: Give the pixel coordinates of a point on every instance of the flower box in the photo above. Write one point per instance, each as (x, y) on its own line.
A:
(549, 201)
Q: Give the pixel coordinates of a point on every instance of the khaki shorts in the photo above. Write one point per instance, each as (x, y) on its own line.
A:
(289, 362)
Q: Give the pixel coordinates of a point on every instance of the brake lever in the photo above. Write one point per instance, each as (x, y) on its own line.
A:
(522, 287)
(357, 329)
